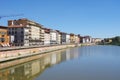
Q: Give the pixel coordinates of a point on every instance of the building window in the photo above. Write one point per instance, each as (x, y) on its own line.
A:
(3, 35)
(2, 39)
(21, 40)
(15, 32)
(21, 32)
(12, 32)
(12, 28)
(15, 36)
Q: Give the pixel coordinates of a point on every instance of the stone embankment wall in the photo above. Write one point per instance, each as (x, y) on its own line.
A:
(15, 54)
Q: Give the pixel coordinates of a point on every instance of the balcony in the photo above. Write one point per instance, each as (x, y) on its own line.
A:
(27, 38)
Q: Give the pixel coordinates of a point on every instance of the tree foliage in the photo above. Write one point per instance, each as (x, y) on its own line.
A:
(116, 40)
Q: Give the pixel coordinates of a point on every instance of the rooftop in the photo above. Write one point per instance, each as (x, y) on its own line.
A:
(3, 27)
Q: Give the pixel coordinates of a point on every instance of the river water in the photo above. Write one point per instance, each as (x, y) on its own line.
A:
(80, 63)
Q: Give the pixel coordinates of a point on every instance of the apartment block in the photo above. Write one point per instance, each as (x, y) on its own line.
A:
(53, 37)
(58, 37)
(76, 39)
(46, 36)
(86, 39)
(25, 32)
(63, 38)
(67, 38)
(72, 38)
(42, 35)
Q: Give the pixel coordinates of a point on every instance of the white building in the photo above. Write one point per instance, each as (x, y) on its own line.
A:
(47, 36)
(25, 32)
(53, 37)
(42, 36)
(67, 38)
(58, 37)
(86, 39)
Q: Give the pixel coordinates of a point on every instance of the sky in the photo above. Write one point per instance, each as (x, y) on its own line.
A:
(97, 18)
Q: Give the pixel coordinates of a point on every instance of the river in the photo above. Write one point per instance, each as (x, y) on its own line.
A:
(79, 63)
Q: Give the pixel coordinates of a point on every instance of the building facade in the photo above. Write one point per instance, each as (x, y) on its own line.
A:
(25, 32)
(97, 40)
(72, 38)
(58, 37)
(86, 39)
(67, 38)
(46, 36)
(42, 35)
(53, 37)
(4, 38)
(77, 39)
(63, 38)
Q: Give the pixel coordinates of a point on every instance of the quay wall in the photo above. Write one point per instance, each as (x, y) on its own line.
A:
(21, 53)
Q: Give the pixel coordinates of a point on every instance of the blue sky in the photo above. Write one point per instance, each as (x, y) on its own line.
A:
(98, 18)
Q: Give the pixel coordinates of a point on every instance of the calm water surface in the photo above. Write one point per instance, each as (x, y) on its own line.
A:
(80, 63)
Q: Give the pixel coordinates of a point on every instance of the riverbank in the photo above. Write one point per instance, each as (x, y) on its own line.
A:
(13, 54)
(21, 61)
(114, 44)
(111, 41)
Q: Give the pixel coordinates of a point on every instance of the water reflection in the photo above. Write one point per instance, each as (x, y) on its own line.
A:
(29, 70)
(80, 63)
(87, 63)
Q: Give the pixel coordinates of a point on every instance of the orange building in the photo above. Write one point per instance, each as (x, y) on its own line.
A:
(4, 38)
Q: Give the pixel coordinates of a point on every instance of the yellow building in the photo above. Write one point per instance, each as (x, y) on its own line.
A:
(97, 40)
(72, 38)
(4, 38)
